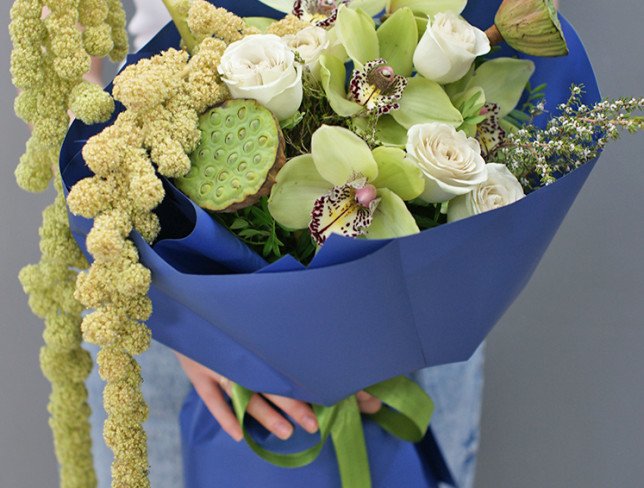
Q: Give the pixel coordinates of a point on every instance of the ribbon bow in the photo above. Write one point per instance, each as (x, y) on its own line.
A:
(405, 414)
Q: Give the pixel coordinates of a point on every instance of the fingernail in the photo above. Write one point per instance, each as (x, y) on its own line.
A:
(283, 430)
(363, 396)
(239, 437)
(310, 424)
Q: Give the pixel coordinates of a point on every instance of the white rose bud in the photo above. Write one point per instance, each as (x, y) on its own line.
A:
(309, 43)
(450, 161)
(263, 68)
(501, 188)
(448, 48)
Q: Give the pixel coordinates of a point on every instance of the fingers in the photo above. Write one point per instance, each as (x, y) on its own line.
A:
(299, 411)
(207, 385)
(262, 411)
(266, 415)
(212, 396)
(368, 403)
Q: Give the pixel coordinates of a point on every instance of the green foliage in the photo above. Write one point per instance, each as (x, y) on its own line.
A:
(532, 106)
(577, 135)
(427, 216)
(255, 226)
(315, 111)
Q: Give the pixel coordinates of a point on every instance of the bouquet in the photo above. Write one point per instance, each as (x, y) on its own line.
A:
(378, 179)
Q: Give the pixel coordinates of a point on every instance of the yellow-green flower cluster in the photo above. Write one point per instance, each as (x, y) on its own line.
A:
(288, 26)
(49, 59)
(50, 285)
(206, 20)
(163, 97)
(97, 33)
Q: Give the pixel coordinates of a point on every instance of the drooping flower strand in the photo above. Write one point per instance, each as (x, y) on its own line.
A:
(49, 59)
(50, 286)
(206, 20)
(97, 33)
(163, 97)
(538, 156)
(47, 64)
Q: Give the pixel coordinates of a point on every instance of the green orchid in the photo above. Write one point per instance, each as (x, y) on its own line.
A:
(487, 94)
(381, 82)
(344, 187)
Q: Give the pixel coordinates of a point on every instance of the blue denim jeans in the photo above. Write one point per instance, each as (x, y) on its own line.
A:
(455, 388)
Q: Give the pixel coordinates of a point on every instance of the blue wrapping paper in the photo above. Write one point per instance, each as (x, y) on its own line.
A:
(360, 313)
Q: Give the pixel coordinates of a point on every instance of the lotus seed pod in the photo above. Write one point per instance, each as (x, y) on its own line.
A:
(240, 153)
(529, 26)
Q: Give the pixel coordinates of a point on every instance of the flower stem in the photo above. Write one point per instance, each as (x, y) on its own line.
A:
(494, 35)
(178, 10)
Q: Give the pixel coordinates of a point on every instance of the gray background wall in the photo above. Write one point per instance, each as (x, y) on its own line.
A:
(565, 366)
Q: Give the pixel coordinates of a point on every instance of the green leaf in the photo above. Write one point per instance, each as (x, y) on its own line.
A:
(333, 76)
(285, 6)
(370, 7)
(503, 81)
(297, 186)
(456, 88)
(262, 23)
(470, 102)
(391, 218)
(398, 39)
(339, 155)
(425, 101)
(391, 133)
(293, 121)
(397, 173)
(428, 7)
(357, 33)
(239, 224)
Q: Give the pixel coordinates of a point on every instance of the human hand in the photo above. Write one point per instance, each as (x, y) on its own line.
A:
(211, 387)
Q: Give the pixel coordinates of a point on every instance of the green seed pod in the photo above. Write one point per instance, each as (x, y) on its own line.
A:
(529, 26)
(240, 153)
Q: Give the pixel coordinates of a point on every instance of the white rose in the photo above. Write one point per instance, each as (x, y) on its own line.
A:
(450, 161)
(263, 68)
(501, 188)
(309, 43)
(448, 48)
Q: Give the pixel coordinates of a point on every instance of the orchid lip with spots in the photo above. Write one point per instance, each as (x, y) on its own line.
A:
(346, 210)
(322, 13)
(377, 87)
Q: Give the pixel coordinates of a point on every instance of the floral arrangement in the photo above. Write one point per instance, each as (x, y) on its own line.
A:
(367, 119)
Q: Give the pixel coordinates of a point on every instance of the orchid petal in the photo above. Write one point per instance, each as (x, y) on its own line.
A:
(298, 185)
(428, 7)
(357, 33)
(398, 38)
(285, 6)
(370, 7)
(261, 23)
(503, 81)
(340, 155)
(338, 212)
(397, 173)
(332, 76)
(425, 101)
(391, 218)
(390, 133)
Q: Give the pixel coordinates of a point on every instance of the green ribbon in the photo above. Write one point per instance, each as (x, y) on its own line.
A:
(405, 414)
